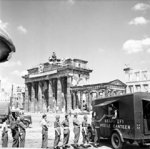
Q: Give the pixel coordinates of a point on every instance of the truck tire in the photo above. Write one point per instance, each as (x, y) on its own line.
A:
(116, 141)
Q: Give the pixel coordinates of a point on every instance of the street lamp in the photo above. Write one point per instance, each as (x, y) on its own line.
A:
(6, 46)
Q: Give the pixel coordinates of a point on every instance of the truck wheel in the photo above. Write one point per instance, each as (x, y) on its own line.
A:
(142, 145)
(116, 141)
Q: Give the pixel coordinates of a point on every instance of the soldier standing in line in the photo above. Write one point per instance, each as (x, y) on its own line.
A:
(22, 127)
(66, 131)
(85, 130)
(15, 131)
(57, 132)
(4, 133)
(76, 130)
(44, 125)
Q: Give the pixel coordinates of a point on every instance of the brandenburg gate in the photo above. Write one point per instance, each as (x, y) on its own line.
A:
(48, 85)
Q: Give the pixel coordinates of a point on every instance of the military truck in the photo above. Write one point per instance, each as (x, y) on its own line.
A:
(132, 123)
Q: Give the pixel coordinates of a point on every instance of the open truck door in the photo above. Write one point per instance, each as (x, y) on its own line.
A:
(146, 115)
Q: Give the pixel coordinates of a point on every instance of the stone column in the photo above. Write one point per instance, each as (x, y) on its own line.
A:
(27, 97)
(50, 92)
(79, 103)
(40, 104)
(68, 94)
(81, 100)
(44, 96)
(59, 94)
(36, 97)
(74, 101)
(32, 98)
(88, 101)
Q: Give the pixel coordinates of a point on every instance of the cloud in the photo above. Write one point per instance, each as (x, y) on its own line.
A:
(3, 25)
(19, 73)
(141, 7)
(101, 50)
(139, 21)
(135, 46)
(71, 2)
(11, 64)
(22, 29)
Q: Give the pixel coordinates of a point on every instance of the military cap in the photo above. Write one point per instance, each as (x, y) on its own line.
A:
(75, 114)
(66, 115)
(57, 116)
(44, 115)
(85, 117)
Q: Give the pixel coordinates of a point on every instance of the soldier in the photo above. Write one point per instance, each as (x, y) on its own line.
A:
(22, 131)
(96, 128)
(66, 131)
(15, 132)
(4, 133)
(57, 132)
(44, 125)
(85, 130)
(76, 130)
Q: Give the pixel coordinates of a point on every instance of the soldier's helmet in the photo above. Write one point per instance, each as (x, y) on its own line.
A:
(66, 115)
(85, 117)
(44, 115)
(57, 117)
(75, 114)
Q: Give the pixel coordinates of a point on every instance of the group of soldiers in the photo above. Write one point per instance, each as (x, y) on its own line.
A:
(18, 130)
(66, 132)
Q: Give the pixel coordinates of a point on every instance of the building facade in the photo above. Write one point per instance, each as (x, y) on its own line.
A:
(48, 85)
(85, 94)
(137, 80)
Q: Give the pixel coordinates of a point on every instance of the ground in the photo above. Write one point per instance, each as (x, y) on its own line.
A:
(33, 134)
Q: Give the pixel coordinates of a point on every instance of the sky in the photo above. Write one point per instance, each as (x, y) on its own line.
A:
(109, 34)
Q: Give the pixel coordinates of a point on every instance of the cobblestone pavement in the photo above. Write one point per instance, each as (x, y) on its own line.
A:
(33, 134)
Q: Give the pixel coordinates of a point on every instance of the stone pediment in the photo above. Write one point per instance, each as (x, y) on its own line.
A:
(117, 82)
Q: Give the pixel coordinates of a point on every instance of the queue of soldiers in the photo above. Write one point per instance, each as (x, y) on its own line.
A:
(18, 130)
(66, 132)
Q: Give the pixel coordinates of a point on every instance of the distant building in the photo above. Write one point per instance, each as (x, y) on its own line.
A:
(137, 80)
(17, 97)
(85, 94)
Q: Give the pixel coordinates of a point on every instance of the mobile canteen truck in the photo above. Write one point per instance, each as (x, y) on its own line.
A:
(132, 122)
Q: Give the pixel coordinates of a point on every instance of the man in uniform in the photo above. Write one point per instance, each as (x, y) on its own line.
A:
(44, 125)
(57, 132)
(22, 127)
(85, 130)
(76, 130)
(4, 133)
(15, 132)
(95, 129)
(66, 131)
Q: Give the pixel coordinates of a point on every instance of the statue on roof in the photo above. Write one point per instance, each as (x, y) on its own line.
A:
(53, 58)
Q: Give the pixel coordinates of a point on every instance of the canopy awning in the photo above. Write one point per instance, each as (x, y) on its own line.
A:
(106, 103)
(146, 99)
